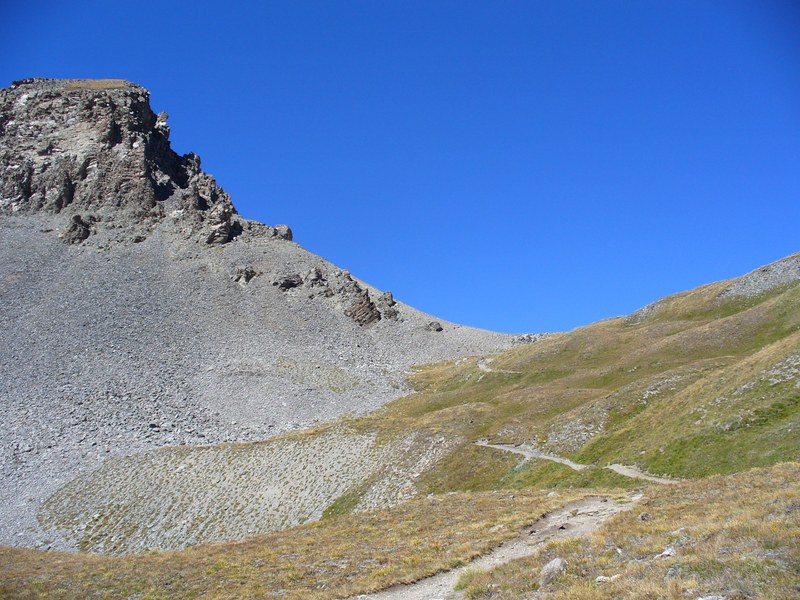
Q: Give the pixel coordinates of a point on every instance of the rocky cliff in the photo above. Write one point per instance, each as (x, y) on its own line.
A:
(94, 152)
(140, 310)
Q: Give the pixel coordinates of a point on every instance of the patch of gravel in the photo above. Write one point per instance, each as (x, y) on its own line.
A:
(643, 313)
(765, 278)
(176, 497)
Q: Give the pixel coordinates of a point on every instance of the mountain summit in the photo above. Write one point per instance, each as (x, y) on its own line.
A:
(173, 375)
(140, 310)
(95, 147)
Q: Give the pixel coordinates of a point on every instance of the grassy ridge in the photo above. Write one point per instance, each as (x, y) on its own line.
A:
(702, 385)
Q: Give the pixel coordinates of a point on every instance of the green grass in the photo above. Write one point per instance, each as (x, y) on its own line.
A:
(642, 385)
(344, 504)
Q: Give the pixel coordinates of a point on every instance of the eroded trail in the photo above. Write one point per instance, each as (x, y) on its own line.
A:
(483, 365)
(625, 470)
(629, 471)
(531, 452)
(575, 519)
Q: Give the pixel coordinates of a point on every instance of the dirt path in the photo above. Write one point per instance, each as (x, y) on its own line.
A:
(575, 519)
(483, 365)
(530, 452)
(630, 471)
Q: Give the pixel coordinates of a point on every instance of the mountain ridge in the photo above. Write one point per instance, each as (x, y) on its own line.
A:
(144, 310)
(181, 385)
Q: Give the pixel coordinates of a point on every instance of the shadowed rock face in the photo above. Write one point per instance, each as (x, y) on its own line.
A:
(95, 148)
(140, 310)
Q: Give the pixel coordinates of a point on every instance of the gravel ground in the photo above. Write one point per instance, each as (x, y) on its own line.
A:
(111, 349)
(765, 278)
(139, 310)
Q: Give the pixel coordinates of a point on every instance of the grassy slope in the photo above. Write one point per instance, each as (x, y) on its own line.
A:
(697, 387)
(327, 559)
(743, 547)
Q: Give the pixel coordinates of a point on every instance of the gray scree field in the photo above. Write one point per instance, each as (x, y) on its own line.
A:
(139, 311)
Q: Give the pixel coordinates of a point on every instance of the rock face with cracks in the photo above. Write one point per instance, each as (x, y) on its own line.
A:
(140, 310)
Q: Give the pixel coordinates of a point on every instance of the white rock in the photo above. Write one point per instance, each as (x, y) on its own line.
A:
(552, 570)
(668, 552)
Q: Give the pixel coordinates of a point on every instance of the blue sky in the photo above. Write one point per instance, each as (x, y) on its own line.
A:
(519, 166)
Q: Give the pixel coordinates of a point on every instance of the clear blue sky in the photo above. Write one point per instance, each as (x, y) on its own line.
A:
(519, 166)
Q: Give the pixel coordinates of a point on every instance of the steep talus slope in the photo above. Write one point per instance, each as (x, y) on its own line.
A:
(140, 310)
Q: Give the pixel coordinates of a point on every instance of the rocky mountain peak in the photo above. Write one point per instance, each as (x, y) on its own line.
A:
(95, 150)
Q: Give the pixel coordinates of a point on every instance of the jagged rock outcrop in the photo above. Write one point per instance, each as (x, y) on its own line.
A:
(387, 306)
(283, 232)
(288, 282)
(77, 231)
(244, 275)
(363, 310)
(78, 147)
(356, 301)
(95, 152)
(358, 304)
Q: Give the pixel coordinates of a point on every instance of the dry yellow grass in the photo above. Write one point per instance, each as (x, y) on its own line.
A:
(97, 84)
(734, 536)
(329, 559)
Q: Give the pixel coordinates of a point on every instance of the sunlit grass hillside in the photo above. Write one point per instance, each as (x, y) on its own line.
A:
(698, 384)
(702, 386)
(731, 536)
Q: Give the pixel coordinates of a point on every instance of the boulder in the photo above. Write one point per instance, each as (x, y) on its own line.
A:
(220, 234)
(244, 275)
(77, 231)
(283, 232)
(288, 282)
(552, 570)
(386, 306)
(363, 311)
(314, 277)
(668, 552)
